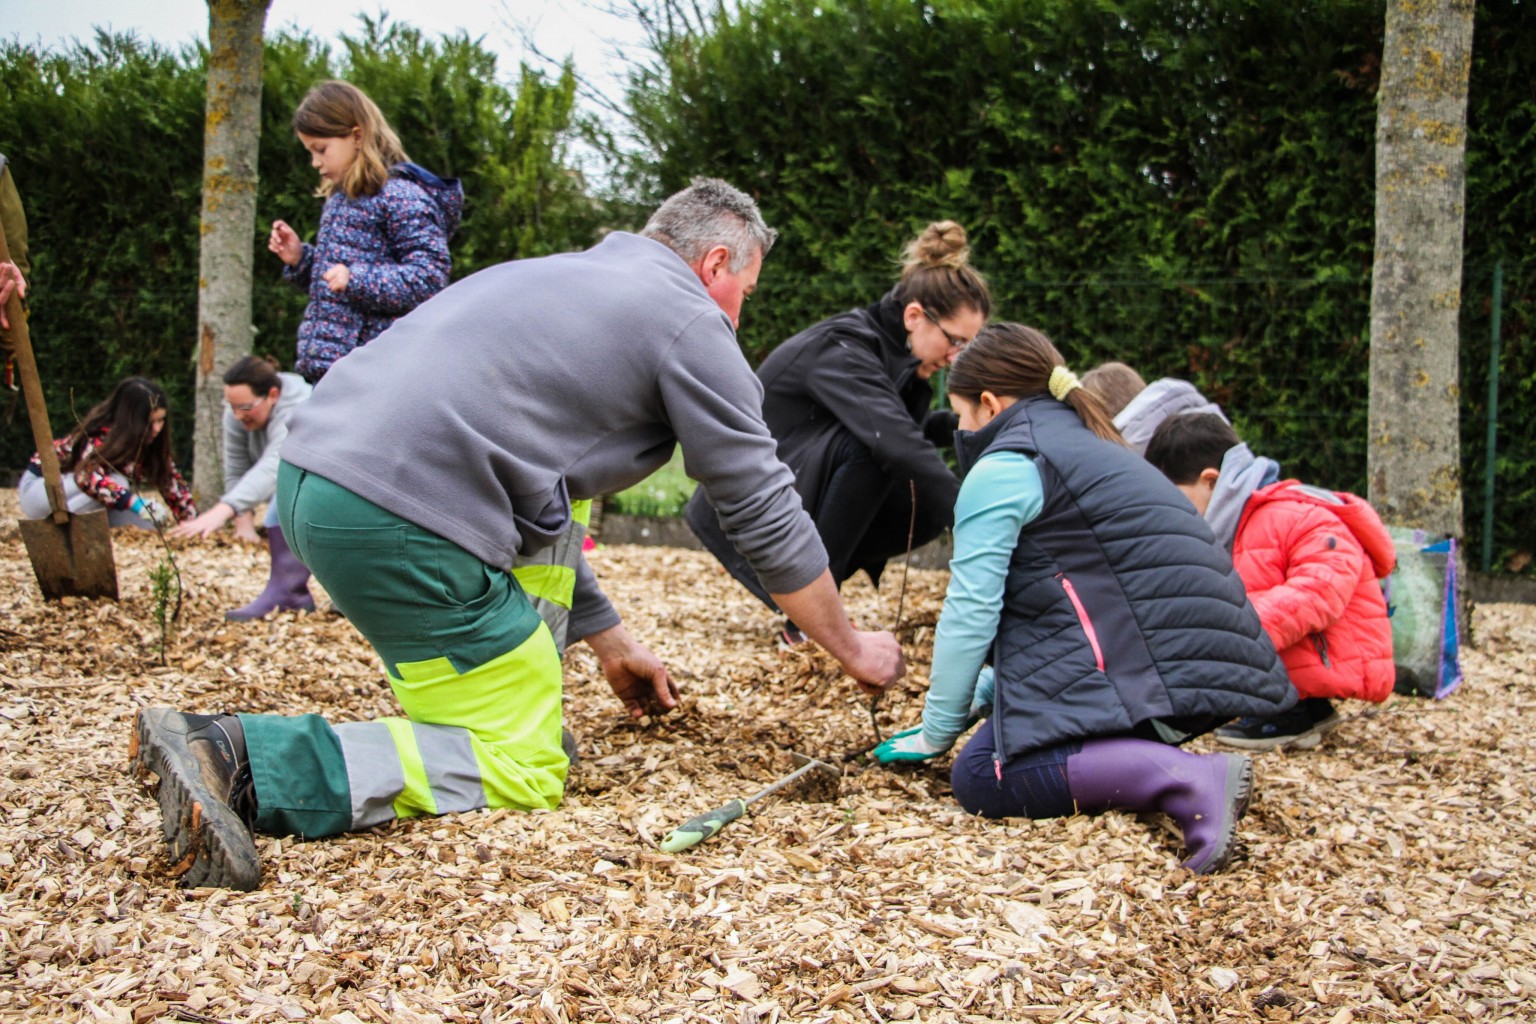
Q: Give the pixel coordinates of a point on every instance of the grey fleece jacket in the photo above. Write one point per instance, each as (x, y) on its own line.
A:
(485, 411)
(251, 456)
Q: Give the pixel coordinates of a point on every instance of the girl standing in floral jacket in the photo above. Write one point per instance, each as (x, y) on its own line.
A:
(382, 246)
(121, 444)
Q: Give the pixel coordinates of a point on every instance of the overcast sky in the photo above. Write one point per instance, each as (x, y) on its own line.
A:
(582, 29)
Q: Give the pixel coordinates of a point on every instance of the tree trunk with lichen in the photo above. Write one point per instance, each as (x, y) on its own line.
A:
(231, 139)
(1414, 456)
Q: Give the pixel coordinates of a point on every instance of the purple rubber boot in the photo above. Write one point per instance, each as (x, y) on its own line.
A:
(1205, 794)
(287, 587)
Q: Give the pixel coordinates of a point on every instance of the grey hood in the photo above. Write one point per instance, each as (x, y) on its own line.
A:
(1242, 473)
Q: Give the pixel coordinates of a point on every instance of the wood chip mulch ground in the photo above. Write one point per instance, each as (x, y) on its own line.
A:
(1386, 876)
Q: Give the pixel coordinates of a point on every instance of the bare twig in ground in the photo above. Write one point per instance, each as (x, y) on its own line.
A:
(901, 600)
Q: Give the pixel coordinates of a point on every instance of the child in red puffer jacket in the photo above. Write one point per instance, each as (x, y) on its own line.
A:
(1311, 561)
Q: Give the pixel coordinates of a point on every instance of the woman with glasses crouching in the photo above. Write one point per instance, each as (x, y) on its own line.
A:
(849, 402)
(258, 400)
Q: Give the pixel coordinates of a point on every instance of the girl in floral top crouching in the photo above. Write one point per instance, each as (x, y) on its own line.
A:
(122, 444)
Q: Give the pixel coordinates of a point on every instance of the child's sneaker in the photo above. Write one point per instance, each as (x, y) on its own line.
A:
(1300, 728)
(1324, 717)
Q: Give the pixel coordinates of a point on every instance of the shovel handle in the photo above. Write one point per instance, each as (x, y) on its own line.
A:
(32, 388)
(701, 827)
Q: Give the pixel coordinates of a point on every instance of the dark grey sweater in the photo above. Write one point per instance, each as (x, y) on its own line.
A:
(484, 412)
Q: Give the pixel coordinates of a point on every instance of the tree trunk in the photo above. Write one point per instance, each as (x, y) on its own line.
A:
(1421, 127)
(231, 138)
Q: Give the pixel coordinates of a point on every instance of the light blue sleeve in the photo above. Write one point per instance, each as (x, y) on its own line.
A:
(1000, 495)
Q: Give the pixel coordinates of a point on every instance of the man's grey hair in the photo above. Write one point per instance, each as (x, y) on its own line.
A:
(708, 213)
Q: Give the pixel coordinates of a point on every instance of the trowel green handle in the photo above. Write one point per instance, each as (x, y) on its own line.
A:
(699, 828)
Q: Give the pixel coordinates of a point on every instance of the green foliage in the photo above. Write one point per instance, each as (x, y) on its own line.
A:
(105, 148)
(1501, 229)
(165, 592)
(1185, 185)
(1143, 180)
(105, 144)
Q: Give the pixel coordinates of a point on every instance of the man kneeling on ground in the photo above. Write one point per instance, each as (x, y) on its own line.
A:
(434, 457)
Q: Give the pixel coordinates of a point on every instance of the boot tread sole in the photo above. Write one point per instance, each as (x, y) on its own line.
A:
(208, 843)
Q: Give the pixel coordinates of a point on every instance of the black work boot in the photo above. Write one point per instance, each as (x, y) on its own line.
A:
(207, 798)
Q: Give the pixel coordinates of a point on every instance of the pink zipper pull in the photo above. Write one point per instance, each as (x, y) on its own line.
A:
(1083, 619)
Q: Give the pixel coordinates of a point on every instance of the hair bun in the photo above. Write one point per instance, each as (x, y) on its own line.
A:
(942, 244)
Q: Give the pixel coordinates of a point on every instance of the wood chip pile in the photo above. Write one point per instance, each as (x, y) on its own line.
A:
(1386, 876)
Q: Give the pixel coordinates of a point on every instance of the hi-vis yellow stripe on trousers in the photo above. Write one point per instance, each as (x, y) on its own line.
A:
(549, 577)
(470, 661)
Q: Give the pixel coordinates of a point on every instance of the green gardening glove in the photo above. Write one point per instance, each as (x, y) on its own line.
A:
(907, 746)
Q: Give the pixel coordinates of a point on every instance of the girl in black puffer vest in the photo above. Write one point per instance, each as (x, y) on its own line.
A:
(1114, 624)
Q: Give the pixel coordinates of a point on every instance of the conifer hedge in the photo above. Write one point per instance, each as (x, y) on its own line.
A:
(105, 144)
(1185, 185)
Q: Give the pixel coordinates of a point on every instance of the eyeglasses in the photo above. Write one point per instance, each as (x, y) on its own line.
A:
(954, 342)
(248, 406)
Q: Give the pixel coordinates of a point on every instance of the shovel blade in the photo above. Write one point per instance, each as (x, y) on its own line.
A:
(72, 559)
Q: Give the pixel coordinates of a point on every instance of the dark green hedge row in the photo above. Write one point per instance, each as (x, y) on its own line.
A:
(1186, 186)
(105, 144)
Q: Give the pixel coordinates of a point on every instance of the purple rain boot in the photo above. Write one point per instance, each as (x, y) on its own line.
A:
(1205, 794)
(287, 587)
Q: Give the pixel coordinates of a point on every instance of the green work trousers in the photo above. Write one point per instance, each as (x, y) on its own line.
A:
(472, 664)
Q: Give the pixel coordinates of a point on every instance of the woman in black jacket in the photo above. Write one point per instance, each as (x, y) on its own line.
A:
(848, 401)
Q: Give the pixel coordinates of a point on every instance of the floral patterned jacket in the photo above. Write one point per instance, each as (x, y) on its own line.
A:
(395, 247)
(98, 480)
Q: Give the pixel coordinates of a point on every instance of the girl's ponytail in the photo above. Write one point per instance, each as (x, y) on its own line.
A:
(1014, 361)
(1090, 409)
